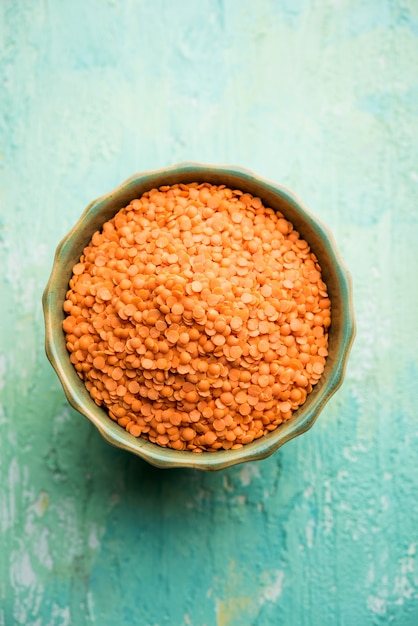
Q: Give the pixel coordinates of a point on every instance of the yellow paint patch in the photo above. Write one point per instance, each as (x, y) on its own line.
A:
(233, 610)
(41, 503)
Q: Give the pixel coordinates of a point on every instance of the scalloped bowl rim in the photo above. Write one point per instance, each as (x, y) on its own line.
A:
(301, 421)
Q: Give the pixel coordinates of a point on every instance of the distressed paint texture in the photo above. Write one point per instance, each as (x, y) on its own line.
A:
(321, 95)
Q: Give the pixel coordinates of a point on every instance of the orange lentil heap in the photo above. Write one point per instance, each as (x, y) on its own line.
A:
(198, 318)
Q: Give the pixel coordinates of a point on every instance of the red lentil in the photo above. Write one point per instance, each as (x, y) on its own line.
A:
(198, 318)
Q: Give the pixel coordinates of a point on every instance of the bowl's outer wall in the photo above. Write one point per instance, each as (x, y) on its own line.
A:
(275, 196)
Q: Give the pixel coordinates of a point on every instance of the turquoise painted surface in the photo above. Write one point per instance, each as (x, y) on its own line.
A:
(318, 95)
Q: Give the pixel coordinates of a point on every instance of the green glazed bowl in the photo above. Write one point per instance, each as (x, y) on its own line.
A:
(335, 275)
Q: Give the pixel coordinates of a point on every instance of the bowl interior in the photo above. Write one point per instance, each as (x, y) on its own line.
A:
(278, 198)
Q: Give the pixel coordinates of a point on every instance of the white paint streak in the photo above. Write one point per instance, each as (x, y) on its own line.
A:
(310, 532)
(274, 590)
(309, 491)
(60, 613)
(247, 474)
(412, 550)
(42, 550)
(371, 574)
(9, 513)
(94, 539)
(3, 366)
(90, 607)
(28, 590)
(376, 605)
(396, 589)
(404, 588)
(22, 571)
(2, 416)
(328, 514)
(384, 501)
(351, 453)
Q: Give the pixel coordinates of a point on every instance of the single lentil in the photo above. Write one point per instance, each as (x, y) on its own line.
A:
(198, 318)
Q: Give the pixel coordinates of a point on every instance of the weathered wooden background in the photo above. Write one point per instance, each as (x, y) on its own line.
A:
(321, 95)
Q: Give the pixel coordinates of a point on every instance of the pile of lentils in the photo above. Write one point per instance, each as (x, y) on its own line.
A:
(198, 318)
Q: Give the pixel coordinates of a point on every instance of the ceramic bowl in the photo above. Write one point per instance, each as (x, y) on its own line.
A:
(335, 275)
